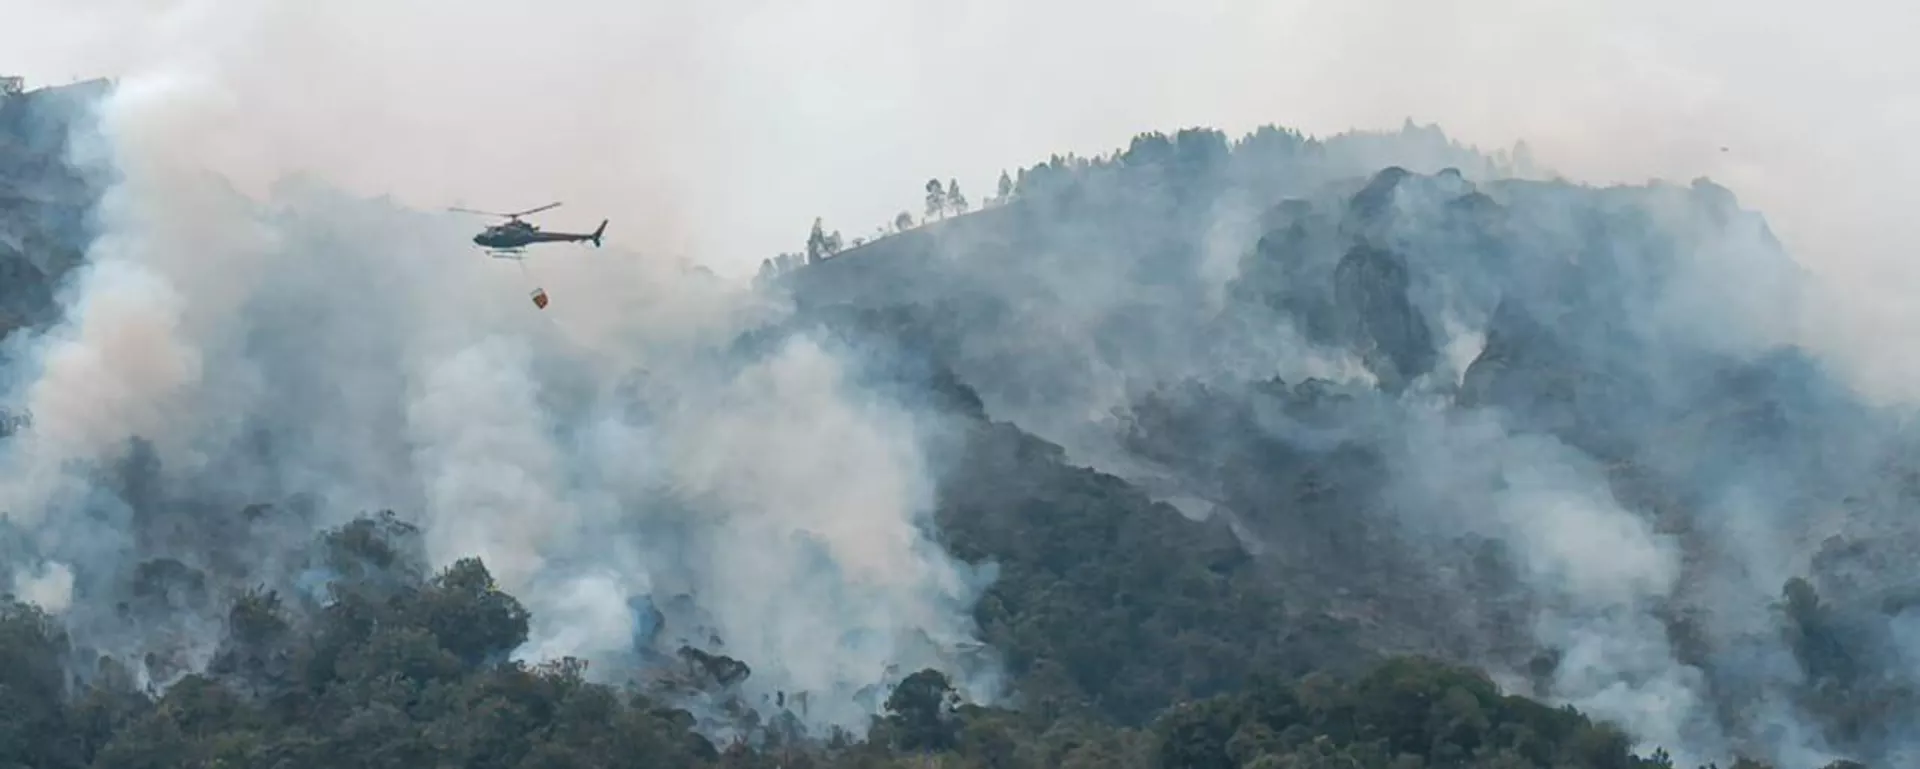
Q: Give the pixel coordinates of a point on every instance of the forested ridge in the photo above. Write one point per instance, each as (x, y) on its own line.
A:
(1282, 452)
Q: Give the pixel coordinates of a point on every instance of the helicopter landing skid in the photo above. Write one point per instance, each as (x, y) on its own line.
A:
(514, 255)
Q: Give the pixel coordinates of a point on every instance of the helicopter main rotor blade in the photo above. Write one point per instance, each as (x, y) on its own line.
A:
(536, 210)
(509, 216)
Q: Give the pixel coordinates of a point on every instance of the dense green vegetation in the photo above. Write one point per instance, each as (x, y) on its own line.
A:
(401, 671)
(1139, 639)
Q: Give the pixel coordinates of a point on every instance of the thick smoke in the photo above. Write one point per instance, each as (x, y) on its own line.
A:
(391, 370)
(845, 108)
(1598, 569)
(244, 333)
(1600, 455)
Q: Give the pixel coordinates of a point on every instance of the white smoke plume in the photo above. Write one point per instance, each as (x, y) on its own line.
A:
(1597, 570)
(234, 297)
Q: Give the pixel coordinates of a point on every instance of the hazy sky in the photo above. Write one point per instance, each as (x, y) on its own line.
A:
(715, 131)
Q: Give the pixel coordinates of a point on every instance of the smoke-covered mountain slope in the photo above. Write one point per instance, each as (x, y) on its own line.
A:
(1133, 461)
(45, 201)
(1554, 429)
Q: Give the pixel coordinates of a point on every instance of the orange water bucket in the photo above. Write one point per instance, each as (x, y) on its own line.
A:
(540, 298)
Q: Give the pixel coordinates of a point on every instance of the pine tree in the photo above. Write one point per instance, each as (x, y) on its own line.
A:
(956, 202)
(936, 199)
(816, 243)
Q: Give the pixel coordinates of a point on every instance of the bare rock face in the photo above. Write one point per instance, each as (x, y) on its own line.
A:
(1380, 322)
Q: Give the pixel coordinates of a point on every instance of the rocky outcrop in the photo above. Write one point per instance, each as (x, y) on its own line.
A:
(1378, 320)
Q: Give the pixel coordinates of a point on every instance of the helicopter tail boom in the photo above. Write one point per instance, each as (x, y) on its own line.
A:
(601, 230)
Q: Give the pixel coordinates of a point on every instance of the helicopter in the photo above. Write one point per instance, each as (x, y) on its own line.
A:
(507, 239)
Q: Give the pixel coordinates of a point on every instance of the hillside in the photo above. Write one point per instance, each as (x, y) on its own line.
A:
(1422, 398)
(1206, 454)
(44, 199)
